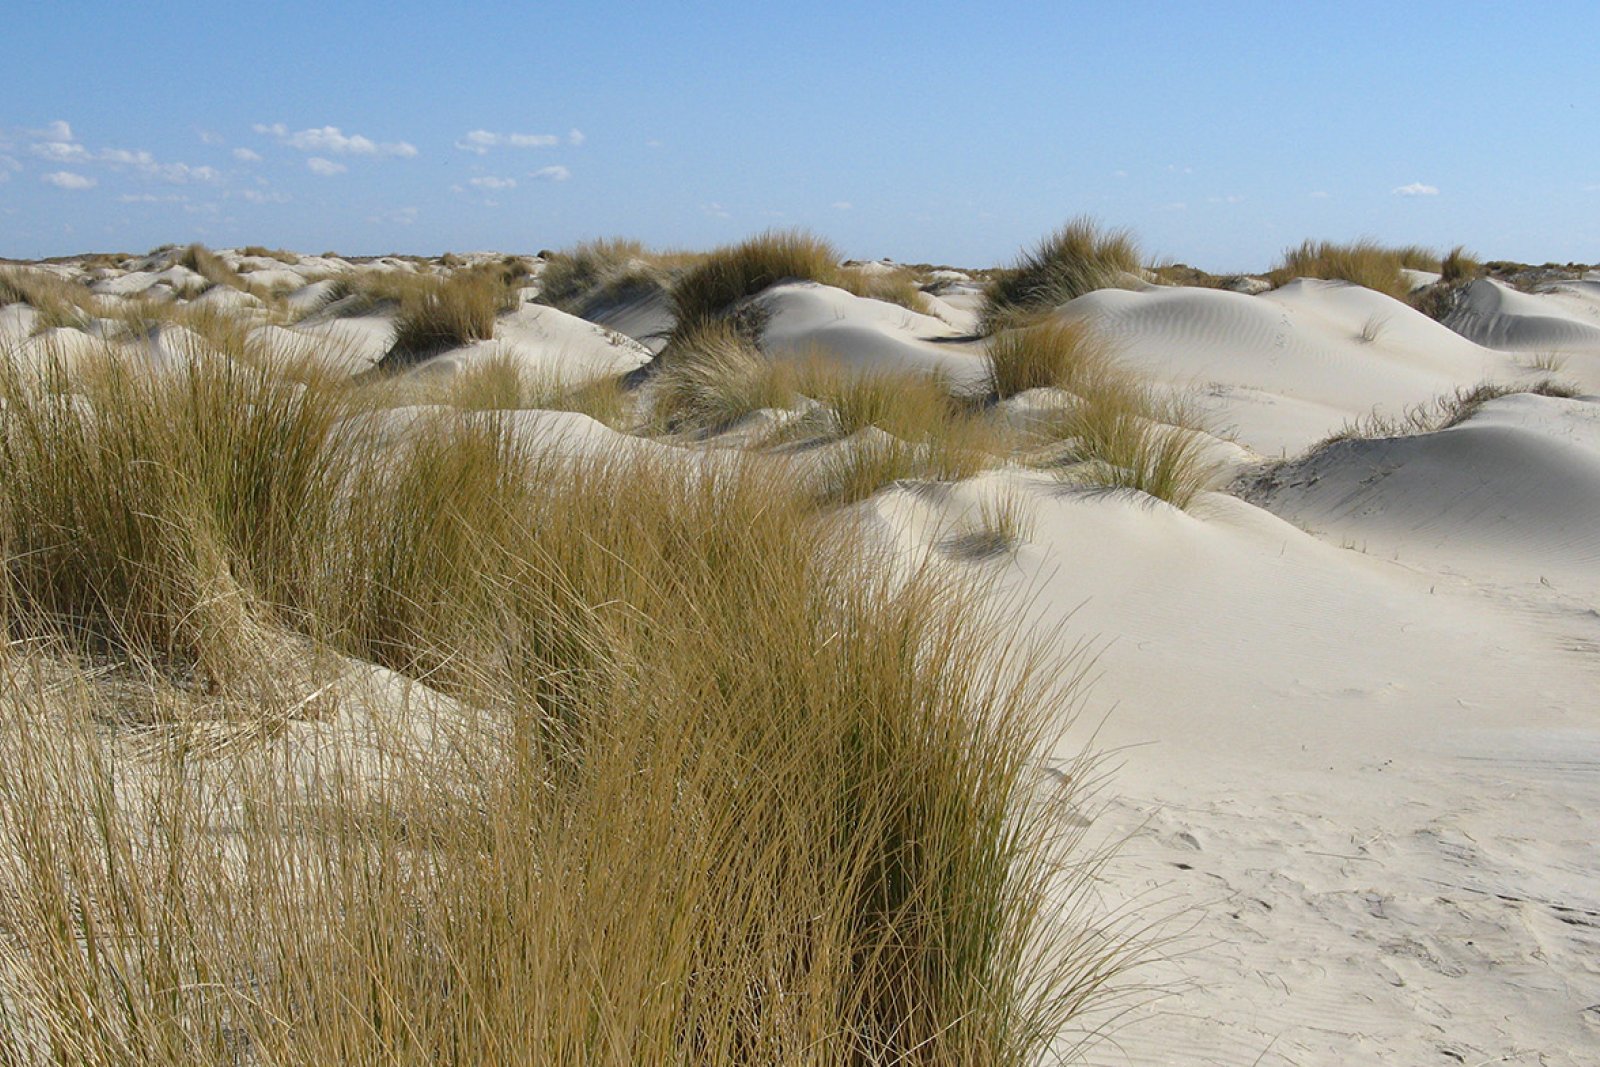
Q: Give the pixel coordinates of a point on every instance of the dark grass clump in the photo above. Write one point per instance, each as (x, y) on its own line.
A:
(1076, 259)
(439, 314)
(731, 274)
(1365, 263)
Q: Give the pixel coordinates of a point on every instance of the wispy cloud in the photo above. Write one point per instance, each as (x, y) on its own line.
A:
(209, 136)
(65, 179)
(256, 196)
(716, 210)
(480, 141)
(842, 205)
(152, 198)
(246, 155)
(575, 137)
(136, 159)
(336, 141)
(404, 216)
(555, 173)
(493, 183)
(60, 151)
(1320, 194)
(326, 168)
(1416, 189)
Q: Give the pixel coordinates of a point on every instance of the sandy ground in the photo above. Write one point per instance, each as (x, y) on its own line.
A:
(1354, 716)
(1352, 700)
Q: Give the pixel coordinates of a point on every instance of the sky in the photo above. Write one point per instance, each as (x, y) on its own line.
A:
(938, 131)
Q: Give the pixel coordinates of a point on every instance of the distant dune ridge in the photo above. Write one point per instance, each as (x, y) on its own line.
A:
(630, 655)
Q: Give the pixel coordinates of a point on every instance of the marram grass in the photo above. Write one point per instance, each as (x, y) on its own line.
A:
(709, 785)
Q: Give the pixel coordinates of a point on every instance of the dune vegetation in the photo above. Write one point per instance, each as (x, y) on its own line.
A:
(440, 313)
(728, 275)
(1112, 430)
(708, 785)
(1080, 257)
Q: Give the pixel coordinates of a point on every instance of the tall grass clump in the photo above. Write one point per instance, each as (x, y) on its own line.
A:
(711, 785)
(58, 302)
(1112, 431)
(595, 271)
(730, 274)
(896, 286)
(212, 267)
(449, 312)
(1051, 355)
(1078, 258)
(1459, 266)
(155, 513)
(711, 378)
(1365, 262)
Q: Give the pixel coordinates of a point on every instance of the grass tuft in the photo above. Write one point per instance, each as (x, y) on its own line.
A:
(730, 274)
(1459, 266)
(58, 302)
(711, 378)
(439, 314)
(1052, 355)
(692, 778)
(1364, 262)
(1446, 411)
(1078, 258)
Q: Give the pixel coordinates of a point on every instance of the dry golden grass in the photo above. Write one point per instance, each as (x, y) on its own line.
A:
(1459, 266)
(1054, 354)
(897, 286)
(1364, 262)
(597, 271)
(712, 377)
(442, 313)
(728, 275)
(59, 303)
(1113, 431)
(717, 788)
(1078, 258)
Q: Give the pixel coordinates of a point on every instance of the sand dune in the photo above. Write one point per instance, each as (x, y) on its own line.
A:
(1351, 701)
(805, 318)
(1363, 790)
(1564, 319)
(1287, 368)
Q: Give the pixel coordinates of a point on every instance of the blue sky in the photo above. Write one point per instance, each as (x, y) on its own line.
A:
(935, 131)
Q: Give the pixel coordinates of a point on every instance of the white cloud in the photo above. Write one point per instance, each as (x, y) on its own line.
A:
(555, 173)
(122, 157)
(336, 141)
(151, 198)
(65, 179)
(653, 143)
(401, 217)
(60, 151)
(209, 136)
(7, 165)
(480, 141)
(55, 131)
(245, 155)
(1320, 194)
(716, 211)
(179, 173)
(575, 137)
(842, 205)
(493, 183)
(327, 168)
(256, 196)
(1417, 189)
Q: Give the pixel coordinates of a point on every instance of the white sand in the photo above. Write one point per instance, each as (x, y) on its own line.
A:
(1359, 760)
(1356, 713)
